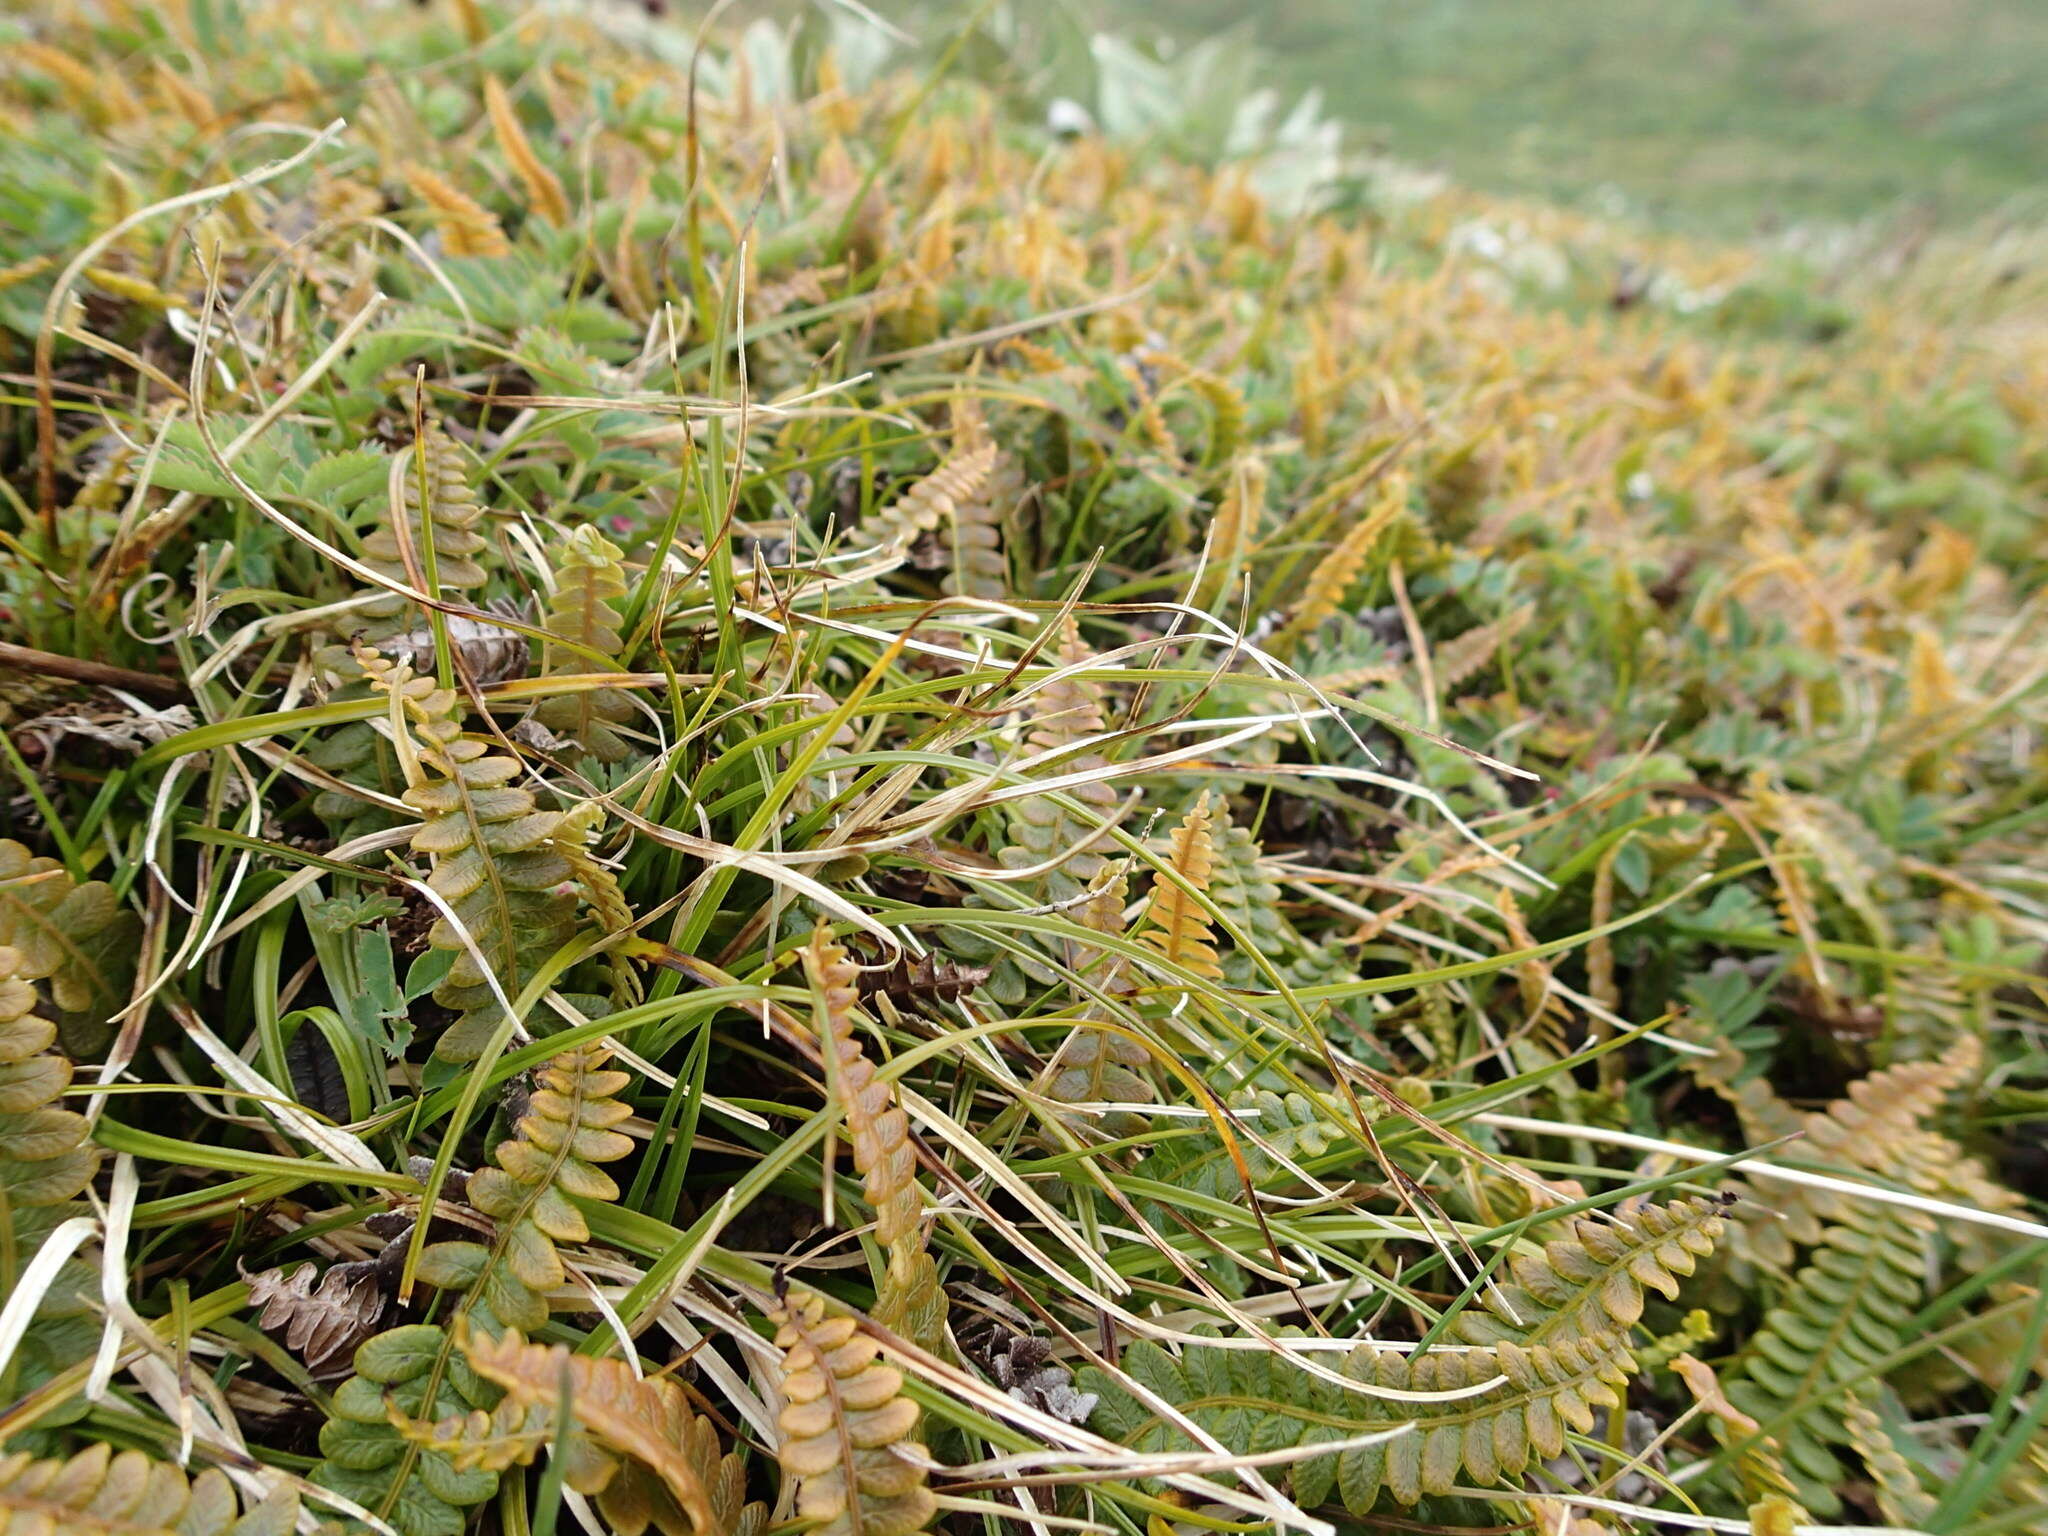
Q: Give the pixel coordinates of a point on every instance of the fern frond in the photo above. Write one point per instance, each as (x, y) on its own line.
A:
(1463, 657)
(467, 227)
(99, 1493)
(1848, 1307)
(1175, 923)
(1246, 895)
(450, 518)
(1238, 514)
(552, 1156)
(589, 582)
(75, 939)
(46, 1153)
(979, 567)
(1093, 1065)
(404, 1374)
(543, 186)
(1063, 714)
(1566, 1357)
(601, 892)
(1591, 1282)
(1900, 1498)
(1335, 573)
(495, 861)
(935, 500)
(376, 1450)
(843, 1424)
(882, 1154)
(645, 1418)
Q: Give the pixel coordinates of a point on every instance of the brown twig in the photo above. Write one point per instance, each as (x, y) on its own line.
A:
(24, 658)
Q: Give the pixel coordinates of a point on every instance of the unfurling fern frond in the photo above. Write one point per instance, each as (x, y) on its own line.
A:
(1562, 1360)
(73, 938)
(589, 581)
(882, 1153)
(1063, 714)
(46, 1153)
(846, 1428)
(1176, 923)
(1849, 1307)
(99, 1493)
(494, 857)
(446, 510)
(1345, 563)
(467, 227)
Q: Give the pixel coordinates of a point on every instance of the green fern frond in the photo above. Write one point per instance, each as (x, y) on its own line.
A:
(1565, 1353)
(46, 1153)
(495, 860)
(1848, 1307)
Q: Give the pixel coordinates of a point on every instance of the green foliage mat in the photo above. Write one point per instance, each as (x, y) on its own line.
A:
(741, 794)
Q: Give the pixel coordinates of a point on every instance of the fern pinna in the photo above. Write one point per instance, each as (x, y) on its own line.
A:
(496, 862)
(415, 1374)
(46, 1153)
(1555, 1341)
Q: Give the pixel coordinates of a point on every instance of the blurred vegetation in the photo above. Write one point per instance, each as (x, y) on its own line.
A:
(1719, 114)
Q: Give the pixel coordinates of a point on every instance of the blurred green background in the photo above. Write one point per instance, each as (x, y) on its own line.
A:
(1712, 114)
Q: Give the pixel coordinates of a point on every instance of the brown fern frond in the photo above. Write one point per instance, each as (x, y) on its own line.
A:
(878, 1129)
(843, 1425)
(99, 1493)
(467, 227)
(1176, 923)
(647, 1418)
(934, 501)
(1900, 1498)
(1237, 523)
(601, 893)
(1458, 659)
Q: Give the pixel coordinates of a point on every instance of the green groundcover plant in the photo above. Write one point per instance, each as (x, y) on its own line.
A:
(745, 792)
